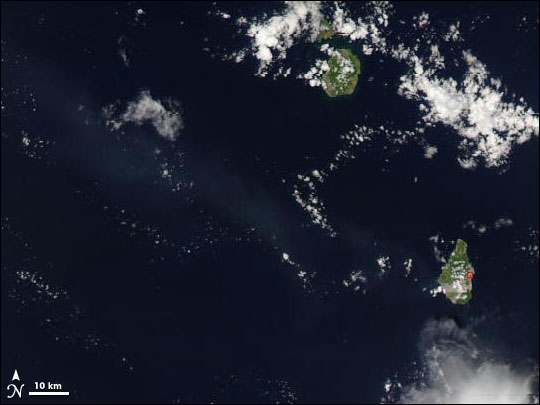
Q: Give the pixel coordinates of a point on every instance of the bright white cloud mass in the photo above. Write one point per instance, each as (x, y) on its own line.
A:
(165, 116)
(477, 107)
(456, 372)
(274, 36)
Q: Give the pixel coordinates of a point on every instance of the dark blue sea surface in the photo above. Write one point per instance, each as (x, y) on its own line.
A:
(221, 324)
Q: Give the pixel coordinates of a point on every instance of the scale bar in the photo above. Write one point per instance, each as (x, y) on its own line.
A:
(48, 393)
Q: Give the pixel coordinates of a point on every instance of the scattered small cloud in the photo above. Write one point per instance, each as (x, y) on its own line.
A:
(357, 281)
(439, 245)
(482, 229)
(124, 50)
(383, 262)
(408, 264)
(430, 151)
(528, 247)
(305, 277)
(503, 222)
(306, 195)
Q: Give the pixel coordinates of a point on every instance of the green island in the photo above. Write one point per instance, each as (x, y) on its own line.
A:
(327, 31)
(453, 279)
(342, 77)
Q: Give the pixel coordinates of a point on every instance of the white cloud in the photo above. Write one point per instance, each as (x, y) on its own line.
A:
(481, 229)
(384, 263)
(301, 21)
(305, 190)
(478, 108)
(438, 242)
(430, 151)
(124, 50)
(529, 246)
(408, 266)
(272, 38)
(165, 116)
(453, 33)
(455, 371)
(305, 194)
(459, 383)
(503, 222)
(314, 75)
(489, 120)
(369, 29)
(357, 281)
(421, 21)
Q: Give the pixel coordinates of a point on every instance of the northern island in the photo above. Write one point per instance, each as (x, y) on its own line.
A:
(327, 31)
(456, 277)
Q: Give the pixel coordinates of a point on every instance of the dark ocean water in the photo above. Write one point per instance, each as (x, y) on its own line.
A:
(186, 326)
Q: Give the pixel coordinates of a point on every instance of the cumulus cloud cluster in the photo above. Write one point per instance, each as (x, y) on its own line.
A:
(165, 116)
(271, 38)
(477, 107)
(369, 29)
(316, 72)
(456, 372)
(302, 21)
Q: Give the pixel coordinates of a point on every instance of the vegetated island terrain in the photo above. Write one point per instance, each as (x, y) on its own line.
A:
(342, 77)
(453, 280)
(344, 67)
